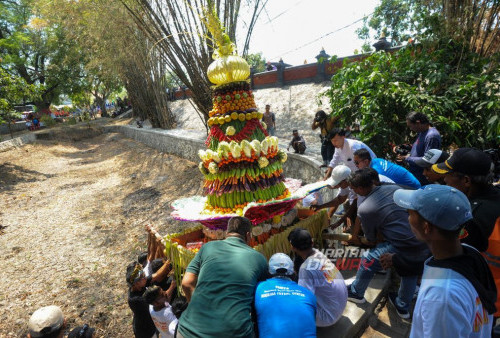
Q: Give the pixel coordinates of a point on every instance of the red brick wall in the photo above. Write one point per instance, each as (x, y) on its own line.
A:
(179, 94)
(265, 78)
(300, 72)
(291, 74)
(331, 68)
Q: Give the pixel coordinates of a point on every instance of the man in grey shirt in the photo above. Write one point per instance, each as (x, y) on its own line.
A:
(381, 217)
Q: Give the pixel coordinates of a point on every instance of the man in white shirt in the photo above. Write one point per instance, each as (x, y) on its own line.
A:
(319, 275)
(344, 150)
(458, 293)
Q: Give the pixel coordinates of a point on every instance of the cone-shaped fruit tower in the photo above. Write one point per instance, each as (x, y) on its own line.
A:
(242, 163)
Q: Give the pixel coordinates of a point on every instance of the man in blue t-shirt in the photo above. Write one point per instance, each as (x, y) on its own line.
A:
(284, 308)
(427, 138)
(400, 176)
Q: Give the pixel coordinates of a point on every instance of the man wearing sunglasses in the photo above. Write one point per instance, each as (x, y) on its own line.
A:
(398, 174)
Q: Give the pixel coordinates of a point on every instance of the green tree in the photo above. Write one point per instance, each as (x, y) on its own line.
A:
(256, 62)
(116, 53)
(473, 24)
(38, 52)
(450, 73)
(458, 91)
(13, 90)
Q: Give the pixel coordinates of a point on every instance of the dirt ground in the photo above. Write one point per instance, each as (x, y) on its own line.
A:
(72, 215)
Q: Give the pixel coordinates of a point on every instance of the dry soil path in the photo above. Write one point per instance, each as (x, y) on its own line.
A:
(71, 218)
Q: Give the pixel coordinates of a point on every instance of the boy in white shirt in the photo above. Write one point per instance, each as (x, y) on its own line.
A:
(160, 309)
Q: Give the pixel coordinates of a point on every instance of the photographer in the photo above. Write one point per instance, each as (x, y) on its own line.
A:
(428, 137)
(326, 124)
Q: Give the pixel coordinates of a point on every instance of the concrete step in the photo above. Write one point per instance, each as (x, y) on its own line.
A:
(355, 318)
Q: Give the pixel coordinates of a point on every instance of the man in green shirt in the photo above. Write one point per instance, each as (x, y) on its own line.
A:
(219, 285)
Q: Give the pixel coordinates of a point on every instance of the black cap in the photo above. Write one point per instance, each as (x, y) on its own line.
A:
(467, 161)
(295, 131)
(300, 239)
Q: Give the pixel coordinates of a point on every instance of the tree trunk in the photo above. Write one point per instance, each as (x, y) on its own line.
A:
(101, 104)
(10, 130)
(104, 110)
(42, 106)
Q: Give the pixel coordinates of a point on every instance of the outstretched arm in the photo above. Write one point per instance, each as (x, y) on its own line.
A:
(162, 272)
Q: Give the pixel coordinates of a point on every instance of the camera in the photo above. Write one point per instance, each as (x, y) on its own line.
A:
(320, 116)
(494, 154)
(402, 149)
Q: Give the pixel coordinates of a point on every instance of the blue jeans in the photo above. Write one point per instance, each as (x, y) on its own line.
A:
(370, 264)
(270, 131)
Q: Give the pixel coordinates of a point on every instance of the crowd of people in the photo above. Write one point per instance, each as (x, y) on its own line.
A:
(437, 224)
(228, 281)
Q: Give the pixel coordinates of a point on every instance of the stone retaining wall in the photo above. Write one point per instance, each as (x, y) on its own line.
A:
(18, 126)
(17, 142)
(186, 145)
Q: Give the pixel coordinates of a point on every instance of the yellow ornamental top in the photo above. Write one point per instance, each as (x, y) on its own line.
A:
(227, 66)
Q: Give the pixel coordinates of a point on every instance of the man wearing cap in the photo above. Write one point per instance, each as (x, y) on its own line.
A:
(338, 181)
(396, 173)
(379, 215)
(47, 322)
(137, 281)
(219, 285)
(470, 171)
(431, 157)
(457, 294)
(284, 309)
(318, 274)
(344, 150)
(427, 138)
(297, 143)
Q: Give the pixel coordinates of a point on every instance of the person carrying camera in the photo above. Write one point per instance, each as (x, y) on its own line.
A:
(326, 124)
(427, 138)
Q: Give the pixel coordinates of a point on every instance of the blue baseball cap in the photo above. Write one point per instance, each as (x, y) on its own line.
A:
(441, 205)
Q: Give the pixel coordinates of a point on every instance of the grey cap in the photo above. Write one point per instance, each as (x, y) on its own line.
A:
(441, 205)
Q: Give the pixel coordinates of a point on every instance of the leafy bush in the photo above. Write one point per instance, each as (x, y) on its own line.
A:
(85, 116)
(455, 88)
(47, 120)
(72, 121)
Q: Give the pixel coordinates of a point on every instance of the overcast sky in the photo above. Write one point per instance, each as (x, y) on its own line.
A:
(287, 25)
